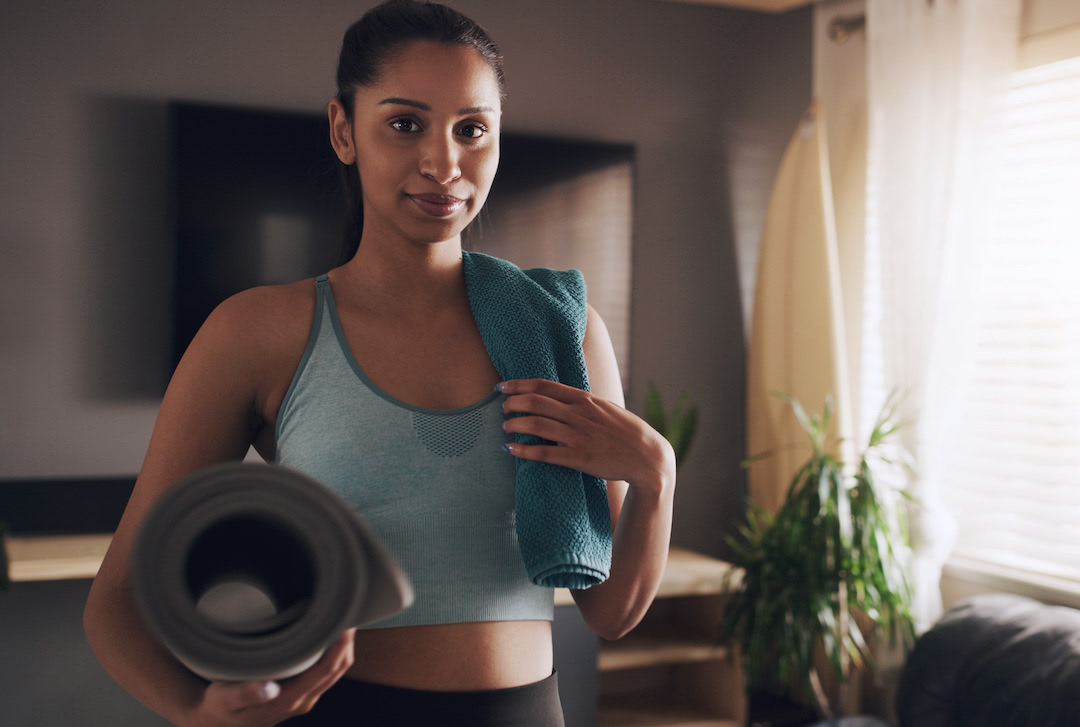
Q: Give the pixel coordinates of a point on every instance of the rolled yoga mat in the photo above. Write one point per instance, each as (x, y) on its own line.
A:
(248, 572)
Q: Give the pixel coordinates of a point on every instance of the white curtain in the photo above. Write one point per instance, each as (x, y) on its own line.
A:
(936, 70)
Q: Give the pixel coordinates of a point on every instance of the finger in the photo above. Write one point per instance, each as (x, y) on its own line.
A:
(563, 456)
(330, 667)
(549, 429)
(538, 404)
(237, 696)
(337, 662)
(553, 389)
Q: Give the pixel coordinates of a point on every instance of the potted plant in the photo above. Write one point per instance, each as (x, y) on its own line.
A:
(825, 573)
(678, 427)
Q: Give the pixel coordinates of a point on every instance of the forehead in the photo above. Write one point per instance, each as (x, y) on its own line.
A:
(438, 74)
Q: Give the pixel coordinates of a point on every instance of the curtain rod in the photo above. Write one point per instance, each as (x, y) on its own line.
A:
(841, 29)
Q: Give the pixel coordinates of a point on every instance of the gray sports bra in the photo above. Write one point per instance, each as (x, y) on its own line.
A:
(435, 486)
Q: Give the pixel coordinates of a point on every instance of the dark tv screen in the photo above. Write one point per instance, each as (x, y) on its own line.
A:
(257, 202)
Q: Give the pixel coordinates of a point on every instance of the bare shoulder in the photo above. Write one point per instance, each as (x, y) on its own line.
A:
(263, 331)
(258, 325)
(245, 353)
(257, 312)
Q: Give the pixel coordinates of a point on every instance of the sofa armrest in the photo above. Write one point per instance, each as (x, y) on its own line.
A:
(996, 660)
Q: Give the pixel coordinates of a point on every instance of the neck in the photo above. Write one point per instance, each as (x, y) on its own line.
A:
(406, 278)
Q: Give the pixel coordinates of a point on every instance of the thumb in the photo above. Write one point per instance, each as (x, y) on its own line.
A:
(235, 696)
(267, 691)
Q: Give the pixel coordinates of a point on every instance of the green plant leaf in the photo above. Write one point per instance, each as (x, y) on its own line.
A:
(679, 427)
(800, 414)
(654, 410)
(683, 435)
(843, 511)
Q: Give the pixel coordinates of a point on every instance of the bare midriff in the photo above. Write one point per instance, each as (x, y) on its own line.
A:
(455, 657)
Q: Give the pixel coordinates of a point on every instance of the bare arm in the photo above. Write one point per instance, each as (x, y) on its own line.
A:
(597, 435)
(210, 414)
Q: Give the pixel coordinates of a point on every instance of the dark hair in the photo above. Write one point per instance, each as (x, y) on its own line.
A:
(369, 44)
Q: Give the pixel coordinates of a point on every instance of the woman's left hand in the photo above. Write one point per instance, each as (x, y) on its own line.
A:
(590, 434)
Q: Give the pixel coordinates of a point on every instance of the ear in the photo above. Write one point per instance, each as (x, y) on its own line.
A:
(341, 133)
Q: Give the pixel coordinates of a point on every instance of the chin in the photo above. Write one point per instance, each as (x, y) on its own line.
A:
(434, 234)
(436, 239)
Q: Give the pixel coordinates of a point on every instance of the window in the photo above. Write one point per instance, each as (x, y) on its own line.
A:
(1013, 478)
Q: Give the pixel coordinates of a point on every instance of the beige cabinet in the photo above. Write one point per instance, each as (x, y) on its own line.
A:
(669, 672)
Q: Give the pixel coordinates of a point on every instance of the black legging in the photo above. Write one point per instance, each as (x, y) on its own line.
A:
(351, 703)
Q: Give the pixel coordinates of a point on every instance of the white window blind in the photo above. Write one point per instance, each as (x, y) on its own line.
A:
(1013, 478)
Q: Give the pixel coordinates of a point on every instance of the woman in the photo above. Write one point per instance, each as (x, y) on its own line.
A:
(416, 124)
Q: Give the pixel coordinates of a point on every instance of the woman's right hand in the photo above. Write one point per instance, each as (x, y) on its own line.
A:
(262, 704)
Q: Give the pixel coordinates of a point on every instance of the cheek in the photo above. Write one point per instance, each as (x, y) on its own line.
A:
(486, 166)
(378, 173)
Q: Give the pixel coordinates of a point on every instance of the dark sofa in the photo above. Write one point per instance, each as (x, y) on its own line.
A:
(995, 661)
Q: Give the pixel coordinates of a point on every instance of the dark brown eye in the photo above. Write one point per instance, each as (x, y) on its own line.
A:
(405, 126)
(472, 131)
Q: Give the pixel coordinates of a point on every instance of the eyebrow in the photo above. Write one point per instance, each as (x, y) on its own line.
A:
(426, 107)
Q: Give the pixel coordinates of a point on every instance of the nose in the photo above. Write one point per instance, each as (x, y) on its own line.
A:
(440, 159)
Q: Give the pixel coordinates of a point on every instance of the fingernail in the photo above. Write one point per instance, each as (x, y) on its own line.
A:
(509, 448)
(501, 386)
(270, 690)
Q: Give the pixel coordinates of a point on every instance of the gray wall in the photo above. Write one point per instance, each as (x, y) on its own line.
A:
(708, 96)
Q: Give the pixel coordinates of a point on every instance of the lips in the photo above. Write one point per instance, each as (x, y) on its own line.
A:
(437, 205)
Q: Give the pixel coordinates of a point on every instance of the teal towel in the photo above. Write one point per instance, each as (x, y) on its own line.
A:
(533, 323)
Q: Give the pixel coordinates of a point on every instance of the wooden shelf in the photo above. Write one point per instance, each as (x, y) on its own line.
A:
(653, 711)
(693, 574)
(669, 672)
(654, 647)
(55, 557)
(660, 718)
(687, 574)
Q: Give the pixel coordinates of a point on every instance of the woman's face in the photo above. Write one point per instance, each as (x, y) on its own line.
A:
(425, 140)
